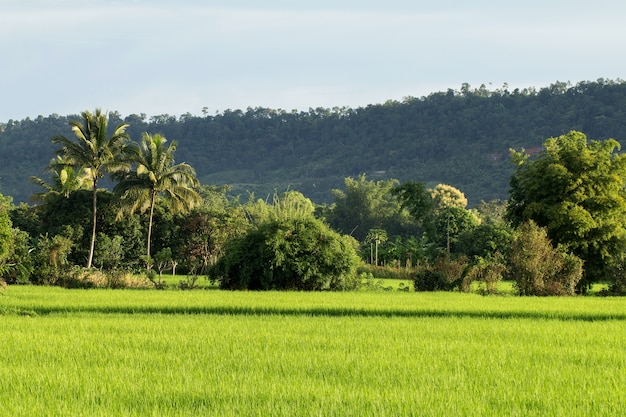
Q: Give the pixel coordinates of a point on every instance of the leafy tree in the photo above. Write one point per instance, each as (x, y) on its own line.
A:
(157, 177)
(617, 277)
(7, 241)
(486, 240)
(414, 197)
(17, 267)
(205, 232)
(576, 189)
(493, 211)
(375, 237)
(287, 204)
(96, 152)
(162, 258)
(288, 254)
(109, 251)
(450, 223)
(367, 205)
(445, 196)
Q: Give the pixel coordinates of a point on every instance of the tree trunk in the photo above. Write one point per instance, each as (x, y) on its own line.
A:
(93, 227)
(152, 202)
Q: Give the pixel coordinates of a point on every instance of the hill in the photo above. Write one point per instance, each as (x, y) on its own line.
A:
(459, 137)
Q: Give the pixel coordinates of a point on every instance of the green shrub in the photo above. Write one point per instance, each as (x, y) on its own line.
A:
(388, 272)
(538, 268)
(289, 253)
(429, 279)
(446, 274)
(617, 279)
(80, 277)
(488, 272)
(50, 259)
(18, 266)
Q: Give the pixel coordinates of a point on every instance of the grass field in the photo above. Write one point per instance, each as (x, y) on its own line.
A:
(385, 353)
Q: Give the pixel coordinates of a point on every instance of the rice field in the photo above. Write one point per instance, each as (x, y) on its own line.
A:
(215, 353)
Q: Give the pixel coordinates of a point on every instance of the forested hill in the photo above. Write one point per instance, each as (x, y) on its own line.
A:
(456, 137)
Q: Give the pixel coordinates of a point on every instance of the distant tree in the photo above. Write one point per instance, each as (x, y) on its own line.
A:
(288, 254)
(96, 152)
(375, 237)
(206, 231)
(416, 198)
(289, 203)
(366, 205)
(576, 189)
(445, 196)
(162, 258)
(450, 223)
(486, 240)
(493, 211)
(488, 272)
(156, 177)
(17, 266)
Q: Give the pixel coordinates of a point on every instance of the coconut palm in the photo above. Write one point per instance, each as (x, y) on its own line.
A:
(65, 179)
(157, 178)
(96, 152)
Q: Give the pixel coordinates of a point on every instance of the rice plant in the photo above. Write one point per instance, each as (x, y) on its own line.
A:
(215, 353)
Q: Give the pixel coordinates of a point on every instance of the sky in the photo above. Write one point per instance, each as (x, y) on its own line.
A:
(175, 57)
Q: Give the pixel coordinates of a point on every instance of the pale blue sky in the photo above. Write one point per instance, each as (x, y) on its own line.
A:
(156, 57)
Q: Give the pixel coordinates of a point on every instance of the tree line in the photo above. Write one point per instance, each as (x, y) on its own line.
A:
(561, 230)
(459, 137)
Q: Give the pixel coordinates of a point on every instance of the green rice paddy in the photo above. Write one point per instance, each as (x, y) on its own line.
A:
(216, 353)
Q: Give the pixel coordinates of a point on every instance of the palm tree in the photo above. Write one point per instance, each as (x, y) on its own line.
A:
(65, 180)
(96, 152)
(157, 177)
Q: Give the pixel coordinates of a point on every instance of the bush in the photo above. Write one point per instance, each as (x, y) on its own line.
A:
(446, 274)
(18, 266)
(487, 272)
(79, 277)
(50, 259)
(430, 280)
(540, 269)
(388, 272)
(617, 279)
(289, 253)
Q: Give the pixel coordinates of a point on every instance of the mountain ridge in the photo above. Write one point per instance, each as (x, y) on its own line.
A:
(459, 137)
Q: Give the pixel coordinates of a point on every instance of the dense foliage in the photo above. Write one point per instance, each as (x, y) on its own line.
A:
(538, 268)
(290, 250)
(572, 188)
(576, 189)
(455, 137)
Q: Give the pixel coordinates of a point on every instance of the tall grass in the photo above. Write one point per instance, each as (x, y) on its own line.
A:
(145, 353)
